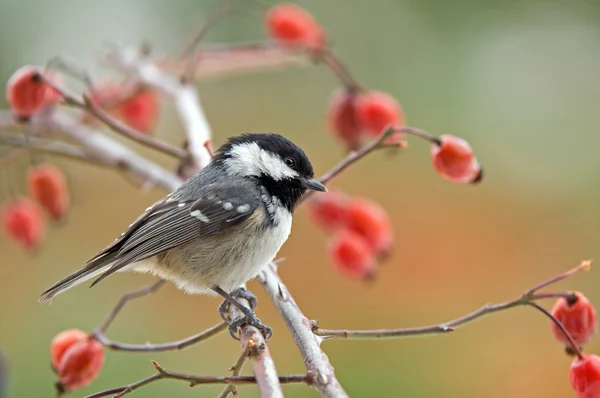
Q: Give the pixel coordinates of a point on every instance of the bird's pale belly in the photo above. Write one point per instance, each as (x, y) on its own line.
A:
(197, 266)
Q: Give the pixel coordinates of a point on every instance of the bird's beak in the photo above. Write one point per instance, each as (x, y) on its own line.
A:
(314, 185)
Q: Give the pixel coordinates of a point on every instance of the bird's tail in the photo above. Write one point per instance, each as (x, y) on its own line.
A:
(89, 271)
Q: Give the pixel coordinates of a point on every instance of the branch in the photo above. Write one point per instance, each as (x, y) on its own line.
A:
(108, 150)
(300, 327)
(263, 366)
(194, 380)
(52, 147)
(125, 299)
(527, 298)
(148, 347)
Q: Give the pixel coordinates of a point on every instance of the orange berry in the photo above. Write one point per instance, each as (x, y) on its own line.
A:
(329, 211)
(375, 110)
(80, 364)
(579, 318)
(26, 93)
(342, 119)
(455, 161)
(351, 254)
(371, 221)
(293, 26)
(63, 341)
(23, 222)
(48, 186)
(584, 376)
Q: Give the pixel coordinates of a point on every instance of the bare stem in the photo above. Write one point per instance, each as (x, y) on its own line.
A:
(236, 369)
(174, 345)
(163, 373)
(124, 299)
(527, 298)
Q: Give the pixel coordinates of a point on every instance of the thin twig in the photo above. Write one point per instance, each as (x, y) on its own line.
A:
(526, 298)
(228, 59)
(236, 369)
(163, 373)
(52, 147)
(300, 327)
(354, 157)
(174, 345)
(124, 299)
(88, 105)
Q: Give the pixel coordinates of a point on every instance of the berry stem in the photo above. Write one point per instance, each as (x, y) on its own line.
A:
(420, 133)
(562, 328)
(337, 66)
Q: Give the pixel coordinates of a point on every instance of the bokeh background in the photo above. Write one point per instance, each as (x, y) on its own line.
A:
(518, 79)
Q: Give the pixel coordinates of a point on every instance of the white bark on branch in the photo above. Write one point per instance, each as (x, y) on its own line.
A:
(308, 343)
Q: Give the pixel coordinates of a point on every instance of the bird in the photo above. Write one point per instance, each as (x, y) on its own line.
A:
(219, 229)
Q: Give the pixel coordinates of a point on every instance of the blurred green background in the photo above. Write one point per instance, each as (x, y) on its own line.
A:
(518, 79)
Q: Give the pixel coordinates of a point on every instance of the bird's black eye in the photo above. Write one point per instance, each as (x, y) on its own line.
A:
(290, 162)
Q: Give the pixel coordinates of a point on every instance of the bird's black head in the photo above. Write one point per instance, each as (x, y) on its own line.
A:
(280, 166)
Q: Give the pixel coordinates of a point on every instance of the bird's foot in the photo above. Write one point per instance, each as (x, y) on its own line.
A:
(240, 292)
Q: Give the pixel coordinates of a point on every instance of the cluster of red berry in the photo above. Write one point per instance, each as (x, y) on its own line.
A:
(77, 358)
(362, 232)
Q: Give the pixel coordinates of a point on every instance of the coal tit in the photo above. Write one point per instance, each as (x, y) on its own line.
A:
(219, 229)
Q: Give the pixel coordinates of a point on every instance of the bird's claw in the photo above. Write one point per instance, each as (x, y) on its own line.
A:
(249, 319)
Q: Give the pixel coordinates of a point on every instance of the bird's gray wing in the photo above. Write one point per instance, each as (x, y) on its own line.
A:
(175, 221)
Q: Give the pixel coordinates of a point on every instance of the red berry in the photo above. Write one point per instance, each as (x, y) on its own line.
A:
(375, 110)
(80, 364)
(370, 220)
(139, 111)
(329, 211)
(579, 318)
(352, 255)
(342, 119)
(292, 25)
(63, 341)
(48, 186)
(26, 93)
(23, 222)
(585, 376)
(454, 160)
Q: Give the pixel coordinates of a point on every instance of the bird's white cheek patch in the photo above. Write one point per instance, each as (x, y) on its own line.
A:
(249, 159)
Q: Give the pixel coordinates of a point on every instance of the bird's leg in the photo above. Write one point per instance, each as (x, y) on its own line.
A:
(240, 292)
(249, 316)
